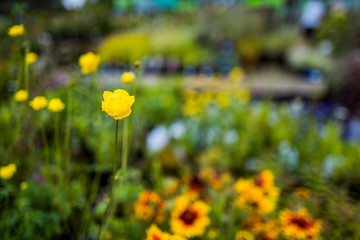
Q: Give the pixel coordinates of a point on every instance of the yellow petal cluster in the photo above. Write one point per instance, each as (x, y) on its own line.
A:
(16, 30)
(38, 103)
(8, 171)
(31, 58)
(189, 218)
(244, 235)
(89, 63)
(302, 193)
(21, 95)
(127, 77)
(267, 229)
(117, 104)
(154, 233)
(299, 225)
(56, 105)
(257, 195)
(149, 206)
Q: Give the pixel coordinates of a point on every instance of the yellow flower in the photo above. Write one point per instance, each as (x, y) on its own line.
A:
(38, 103)
(8, 171)
(89, 63)
(302, 193)
(21, 95)
(117, 104)
(24, 186)
(265, 180)
(189, 218)
(244, 235)
(56, 105)
(154, 233)
(127, 77)
(268, 230)
(31, 58)
(258, 195)
(299, 225)
(16, 31)
(149, 206)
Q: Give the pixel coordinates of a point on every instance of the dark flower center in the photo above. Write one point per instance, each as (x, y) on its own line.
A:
(302, 223)
(188, 217)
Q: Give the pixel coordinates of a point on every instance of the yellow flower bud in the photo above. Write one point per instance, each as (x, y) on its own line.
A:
(21, 96)
(128, 77)
(31, 58)
(8, 171)
(118, 104)
(38, 103)
(16, 31)
(137, 63)
(89, 63)
(56, 105)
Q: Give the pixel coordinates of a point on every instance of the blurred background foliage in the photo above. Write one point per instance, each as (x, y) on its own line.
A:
(305, 141)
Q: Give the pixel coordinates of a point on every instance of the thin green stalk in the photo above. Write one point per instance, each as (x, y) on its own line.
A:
(94, 189)
(112, 183)
(68, 128)
(57, 145)
(46, 145)
(26, 67)
(125, 155)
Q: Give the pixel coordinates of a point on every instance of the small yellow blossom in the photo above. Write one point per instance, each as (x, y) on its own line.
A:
(16, 31)
(31, 58)
(56, 105)
(21, 96)
(8, 171)
(89, 63)
(154, 233)
(189, 218)
(149, 207)
(38, 103)
(244, 235)
(299, 225)
(127, 77)
(24, 186)
(117, 104)
(137, 63)
(258, 195)
(302, 193)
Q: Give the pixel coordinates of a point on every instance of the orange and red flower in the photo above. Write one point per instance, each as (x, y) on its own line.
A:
(149, 207)
(299, 225)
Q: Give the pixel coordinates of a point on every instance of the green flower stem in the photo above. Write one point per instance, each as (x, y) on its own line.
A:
(103, 221)
(46, 145)
(125, 155)
(68, 128)
(57, 145)
(26, 67)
